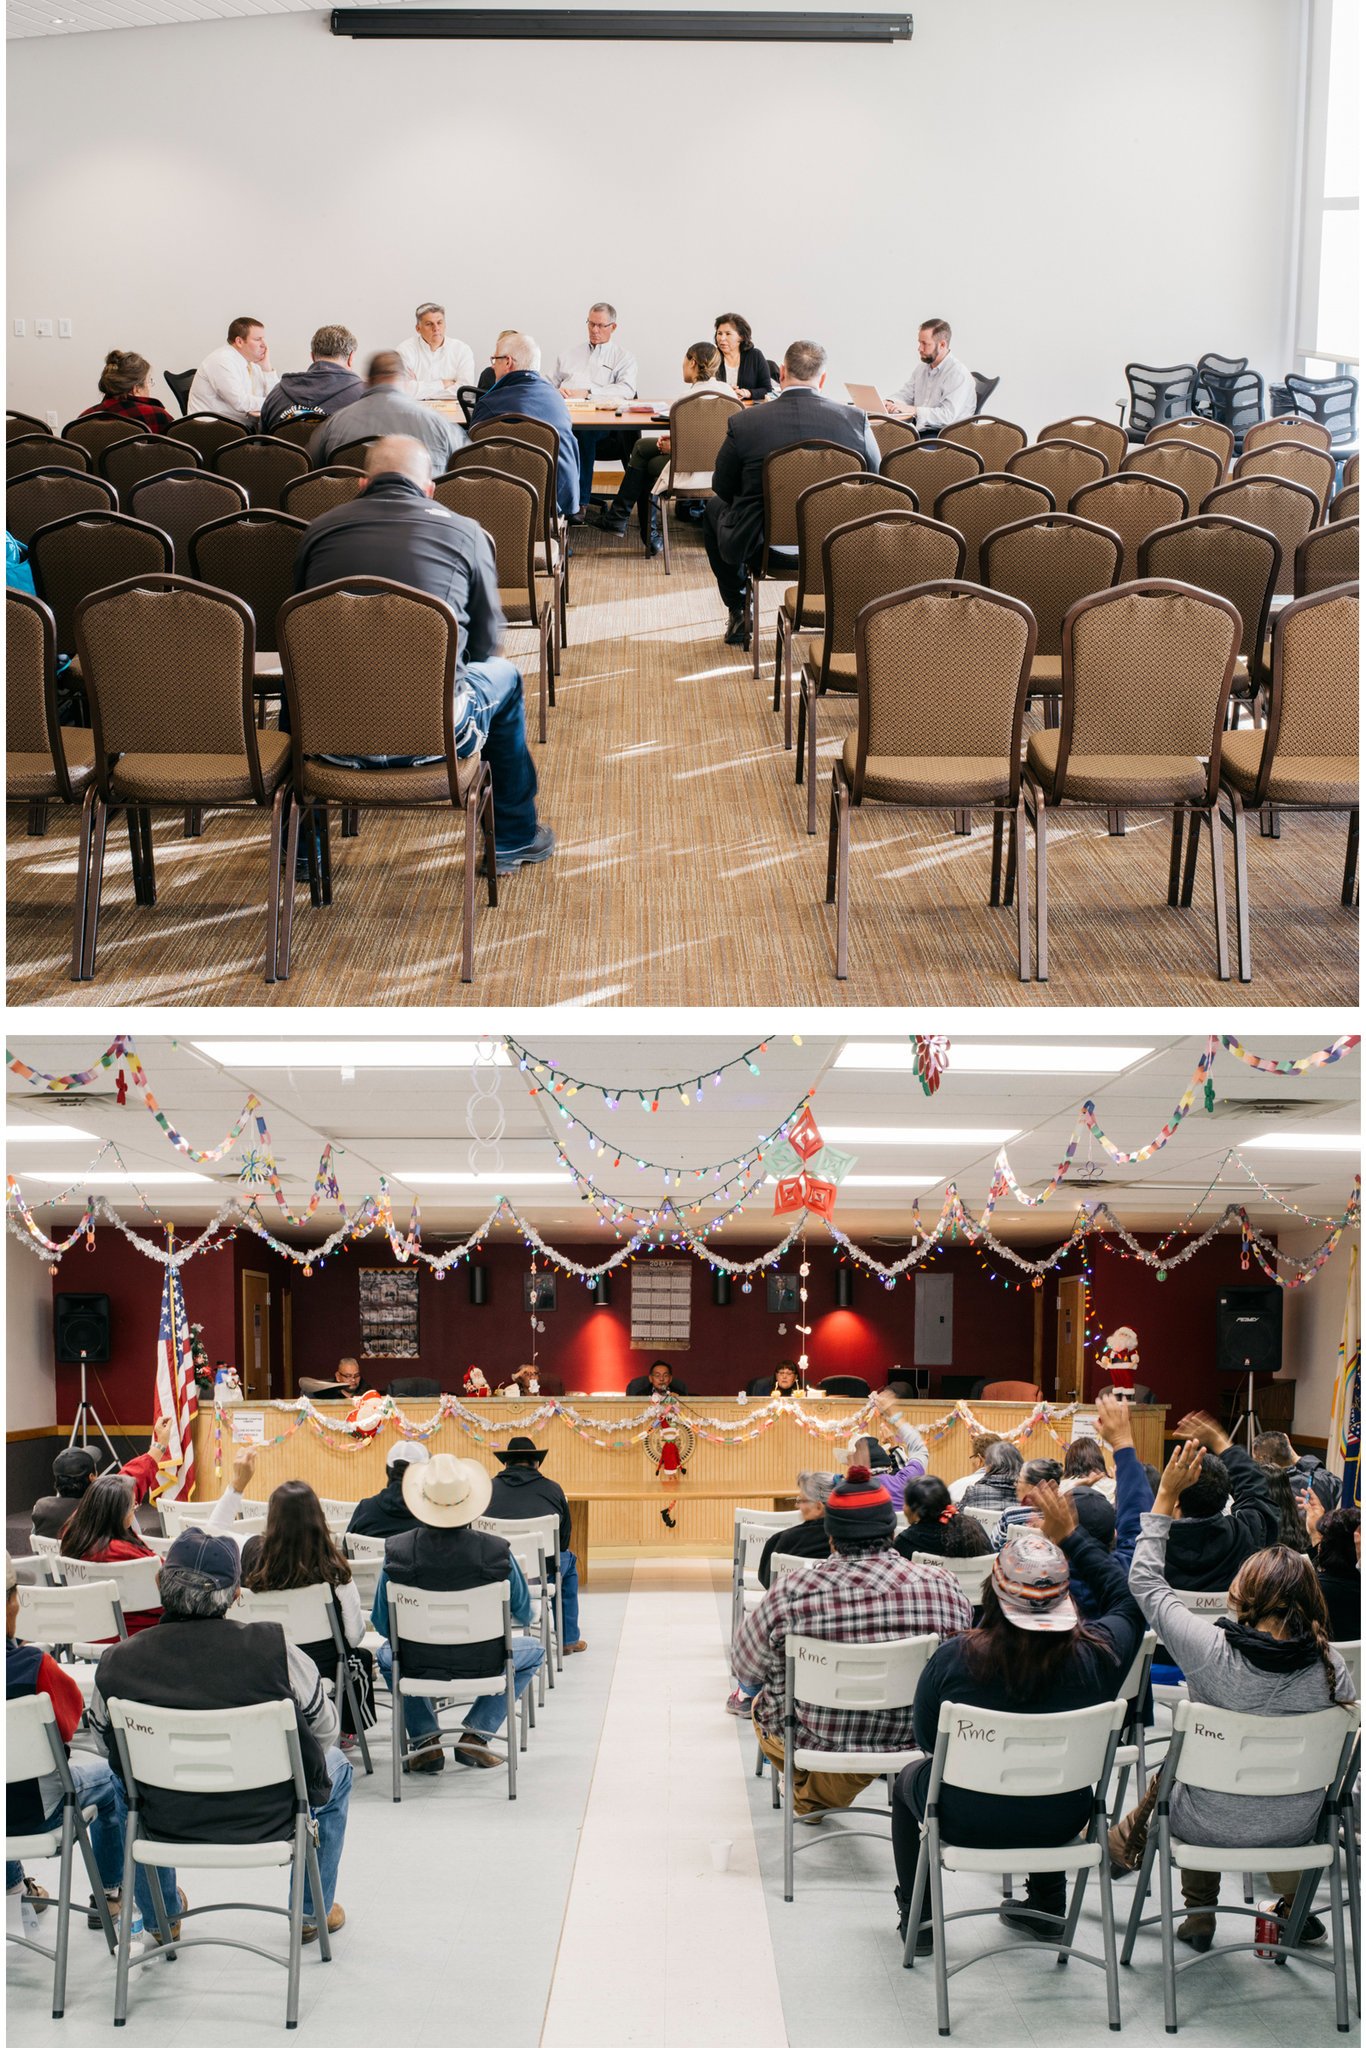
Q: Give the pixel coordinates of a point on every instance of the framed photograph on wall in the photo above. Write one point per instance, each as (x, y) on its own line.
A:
(783, 1296)
(389, 1325)
(538, 1292)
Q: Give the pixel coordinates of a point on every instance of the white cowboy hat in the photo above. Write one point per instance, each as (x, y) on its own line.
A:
(447, 1492)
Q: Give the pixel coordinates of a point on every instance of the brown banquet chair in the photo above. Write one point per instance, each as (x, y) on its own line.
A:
(1193, 469)
(1328, 556)
(1197, 429)
(1049, 563)
(508, 509)
(787, 473)
(994, 440)
(1111, 440)
(45, 761)
(1234, 560)
(1133, 506)
(1293, 462)
(1061, 466)
(42, 495)
(181, 501)
(981, 504)
(697, 427)
(1288, 510)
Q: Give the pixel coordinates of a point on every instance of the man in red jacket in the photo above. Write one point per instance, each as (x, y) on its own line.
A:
(35, 1804)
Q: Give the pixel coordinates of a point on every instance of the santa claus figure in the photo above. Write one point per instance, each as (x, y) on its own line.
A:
(368, 1413)
(1119, 1361)
(476, 1386)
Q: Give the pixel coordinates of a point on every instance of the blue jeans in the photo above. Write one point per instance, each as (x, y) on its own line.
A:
(486, 1716)
(96, 1786)
(569, 1595)
(331, 1820)
(495, 688)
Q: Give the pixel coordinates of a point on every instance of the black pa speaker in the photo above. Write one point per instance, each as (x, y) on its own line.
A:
(1248, 1329)
(479, 1286)
(844, 1287)
(720, 1289)
(80, 1323)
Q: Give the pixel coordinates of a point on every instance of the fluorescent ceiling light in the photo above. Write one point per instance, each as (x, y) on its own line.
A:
(891, 1180)
(395, 1053)
(1315, 1141)
(423, 1179)
(914, 1134)
(47, 1134)
(99, 1178)
(1024, 1057)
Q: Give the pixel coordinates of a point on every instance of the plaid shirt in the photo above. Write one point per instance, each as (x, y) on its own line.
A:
(148, 413)
(874, 1599)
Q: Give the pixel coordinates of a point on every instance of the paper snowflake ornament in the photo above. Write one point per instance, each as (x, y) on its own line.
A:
(931, 1061)
(820, 1196)
(804, 1137)
(789, 1194)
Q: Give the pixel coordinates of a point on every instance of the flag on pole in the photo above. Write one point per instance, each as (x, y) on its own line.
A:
(176, 1394)
(1344, 1434)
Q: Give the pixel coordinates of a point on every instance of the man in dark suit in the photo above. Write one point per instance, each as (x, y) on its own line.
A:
(660, 1381)
(734, 529)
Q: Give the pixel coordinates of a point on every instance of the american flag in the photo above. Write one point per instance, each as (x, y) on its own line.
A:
(176, 1396)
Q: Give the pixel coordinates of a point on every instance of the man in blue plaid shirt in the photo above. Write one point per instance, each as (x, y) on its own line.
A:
(864, 1592)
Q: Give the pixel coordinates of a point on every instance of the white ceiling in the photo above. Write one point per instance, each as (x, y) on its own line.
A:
(396, 1121)
(72, 17)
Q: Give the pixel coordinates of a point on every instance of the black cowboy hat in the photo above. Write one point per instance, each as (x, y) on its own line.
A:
(521, 1447)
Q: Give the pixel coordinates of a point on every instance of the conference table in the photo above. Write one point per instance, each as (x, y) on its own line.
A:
(736, 1453)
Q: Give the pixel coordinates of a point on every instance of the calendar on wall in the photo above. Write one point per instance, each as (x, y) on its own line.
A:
(661, 1305)
(388, 1314)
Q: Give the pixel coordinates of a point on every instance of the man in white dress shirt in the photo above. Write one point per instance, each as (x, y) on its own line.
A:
(436, 365)
(940, 389)
(597, 370)
(233, 380)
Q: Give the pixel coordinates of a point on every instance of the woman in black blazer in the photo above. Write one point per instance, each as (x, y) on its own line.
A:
(742, 364)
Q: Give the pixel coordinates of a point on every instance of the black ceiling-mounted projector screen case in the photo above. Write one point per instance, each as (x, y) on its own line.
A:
(561, 24)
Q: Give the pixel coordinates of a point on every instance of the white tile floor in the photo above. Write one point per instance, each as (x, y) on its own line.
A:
(589, 1914)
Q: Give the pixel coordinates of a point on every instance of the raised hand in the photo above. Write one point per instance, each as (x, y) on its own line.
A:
(1204, 1429)
(1057, 1516)
(1183, 1468)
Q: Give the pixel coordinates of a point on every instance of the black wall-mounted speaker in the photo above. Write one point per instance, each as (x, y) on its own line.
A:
(80, 1323)
(479, 1286)
(720, 1289)
(844, 1287)
(602, 1291)
(1248, 1329)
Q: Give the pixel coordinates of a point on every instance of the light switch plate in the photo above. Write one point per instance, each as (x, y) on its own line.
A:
(64, 330)
(42, 328)
(20, 329)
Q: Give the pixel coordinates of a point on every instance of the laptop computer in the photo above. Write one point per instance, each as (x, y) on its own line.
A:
(867, 396)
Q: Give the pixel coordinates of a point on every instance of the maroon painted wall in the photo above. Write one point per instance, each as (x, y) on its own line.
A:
(588, 1348)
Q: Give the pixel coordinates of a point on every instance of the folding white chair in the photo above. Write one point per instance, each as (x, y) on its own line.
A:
(971, 1573)
(1019, 1756)
(856, 1678)
(1133, 1749)
(1256, 1756)
(34, 1749)
(250, 1519)
(76, 1623)
(159, 1544)
(365, 1573)
(990, 1519)
(48, 1551)
(309, 1614)
(534, 1541)
(784, 1561)
(365, 1546)
(753, 1527)
(480, 1615)
(135, 1577)
(232, 1749)
(338, 1513)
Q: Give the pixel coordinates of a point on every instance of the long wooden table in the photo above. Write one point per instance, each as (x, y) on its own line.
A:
(615, 1498)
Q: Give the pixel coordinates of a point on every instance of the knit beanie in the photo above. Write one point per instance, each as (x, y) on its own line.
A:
(859, 1509)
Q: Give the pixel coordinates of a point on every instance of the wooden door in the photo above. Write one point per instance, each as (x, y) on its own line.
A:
(1071, 1373)
(255, 1365)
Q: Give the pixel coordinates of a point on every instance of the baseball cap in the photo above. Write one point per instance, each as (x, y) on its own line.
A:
(406, 1453)
(1094, 1514)
(74, 1469)
(213, 1557)
(1031, 1579)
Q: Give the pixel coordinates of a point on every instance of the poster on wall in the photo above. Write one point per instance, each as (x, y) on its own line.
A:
(388, 1314)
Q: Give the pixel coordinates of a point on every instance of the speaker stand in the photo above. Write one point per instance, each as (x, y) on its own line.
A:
(85, 1416)
(1245, 1416)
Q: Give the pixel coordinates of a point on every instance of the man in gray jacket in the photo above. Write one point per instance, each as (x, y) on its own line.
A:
(384, 407)
(396, 529)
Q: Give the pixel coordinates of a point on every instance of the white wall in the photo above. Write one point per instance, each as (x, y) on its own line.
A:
(1072, 185)
(1313, 1329)
(30, 1375)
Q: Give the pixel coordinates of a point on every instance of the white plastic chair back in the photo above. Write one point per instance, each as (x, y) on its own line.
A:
(1138, 1670)
(990, 1518)
(365, 1573)
(68, 1614)
(784, 1561)
(367, 1547)
(1262, 1755)
(226, 1749)
(185, 1514)
(858, 1678)
(1350, 1654)
(453, 1619)
(338, 1512)
(971, 1573)
(160, 1544)
(135, 1578)
(1213, 1602)
(48, 1551)
(1027, 1756)
(767, 1519)
(28, 1746)
(303, 1612)
(525, 1539)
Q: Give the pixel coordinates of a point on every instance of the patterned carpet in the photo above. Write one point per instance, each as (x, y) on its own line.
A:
(684, 873)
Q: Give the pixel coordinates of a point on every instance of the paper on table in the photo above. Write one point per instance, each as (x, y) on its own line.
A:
(248, 1428)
